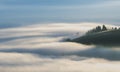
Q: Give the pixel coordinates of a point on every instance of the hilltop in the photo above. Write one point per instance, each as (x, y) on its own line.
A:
(100, 36)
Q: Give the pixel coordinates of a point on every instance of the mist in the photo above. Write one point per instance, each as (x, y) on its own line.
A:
(40, 47)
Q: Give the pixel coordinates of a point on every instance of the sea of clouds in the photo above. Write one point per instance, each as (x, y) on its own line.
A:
(40, 48)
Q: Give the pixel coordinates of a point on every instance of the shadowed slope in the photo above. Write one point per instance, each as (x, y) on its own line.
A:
(101, 38)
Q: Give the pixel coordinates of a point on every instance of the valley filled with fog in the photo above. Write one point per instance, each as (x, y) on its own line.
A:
(40, 48)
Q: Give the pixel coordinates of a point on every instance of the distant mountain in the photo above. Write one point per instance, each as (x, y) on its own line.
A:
(4, 25)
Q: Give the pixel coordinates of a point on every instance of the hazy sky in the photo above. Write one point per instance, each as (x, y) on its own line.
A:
(39, 11)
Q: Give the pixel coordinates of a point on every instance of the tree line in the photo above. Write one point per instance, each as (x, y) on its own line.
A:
(100, 29)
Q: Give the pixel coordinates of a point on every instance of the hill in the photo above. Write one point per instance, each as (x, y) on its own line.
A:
(108, 37)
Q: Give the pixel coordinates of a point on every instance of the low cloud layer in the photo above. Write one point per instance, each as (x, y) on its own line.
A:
(36, 48)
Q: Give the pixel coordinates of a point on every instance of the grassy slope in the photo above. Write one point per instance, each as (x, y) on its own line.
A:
(102, 38)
